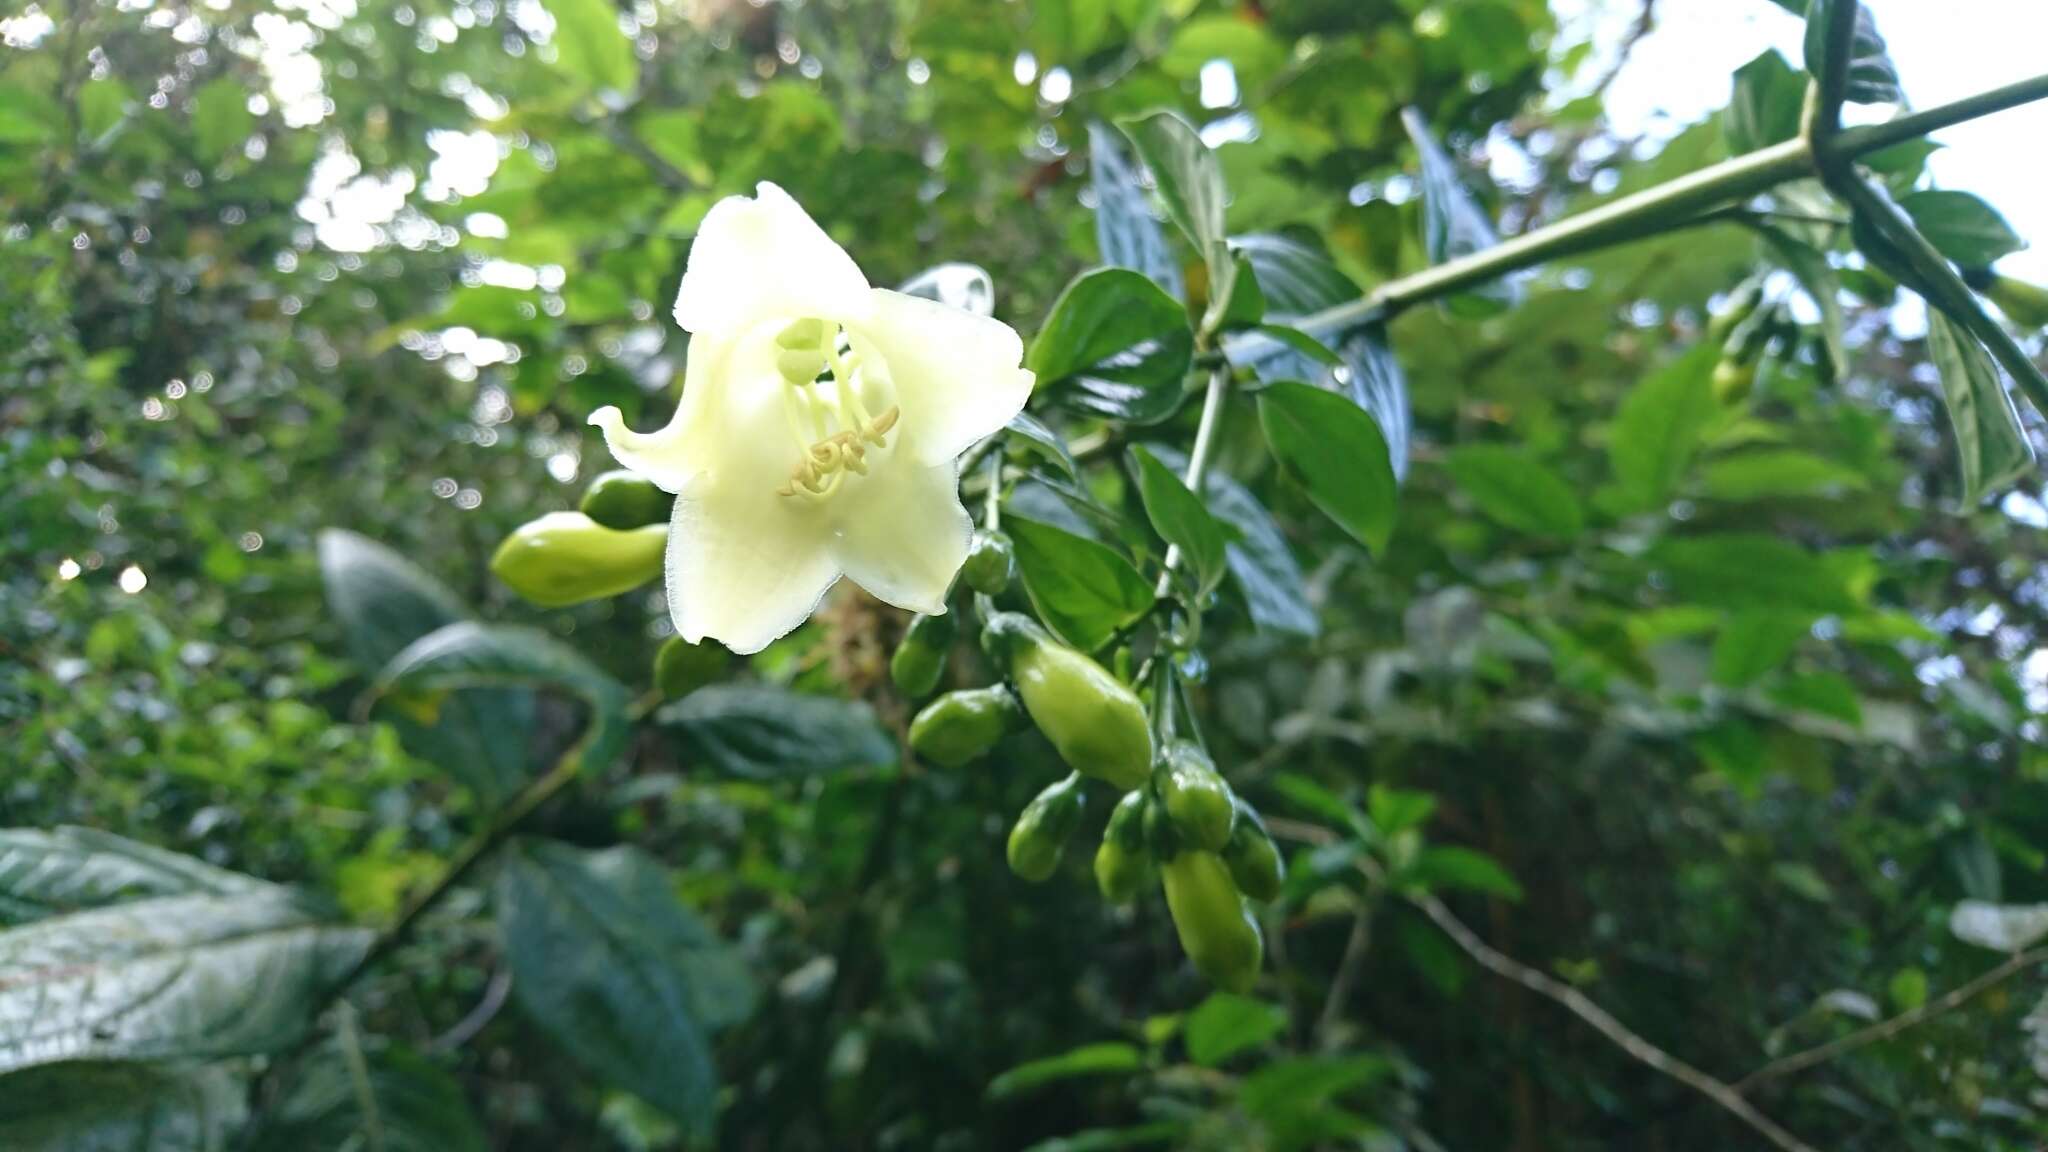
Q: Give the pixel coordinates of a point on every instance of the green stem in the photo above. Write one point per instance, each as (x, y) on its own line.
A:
(1656, 209)
(1213, 402)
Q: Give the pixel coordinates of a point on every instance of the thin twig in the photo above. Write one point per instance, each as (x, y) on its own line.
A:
(1557, 991)
(1886, 1029)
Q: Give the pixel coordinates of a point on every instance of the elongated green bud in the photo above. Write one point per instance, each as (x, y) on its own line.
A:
(960, 727)
(566, 558)
(920, 660)
(1196, 799)
(1040, 836)
(1252, 857)
(1123, 865)
(1216, 931)
(626, 500)
(990, 563)
(1093, 719)
(681, 667)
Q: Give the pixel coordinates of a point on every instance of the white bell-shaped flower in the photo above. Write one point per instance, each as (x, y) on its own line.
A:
(819, 431)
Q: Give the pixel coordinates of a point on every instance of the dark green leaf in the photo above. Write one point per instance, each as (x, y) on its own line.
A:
(1961, 227)
(1777, 473)
(759, 731)
(1180, 517)
(1047, 443)
(1754, 643)
(1334, 448)
(1275, 594)
(1991, 447)
(120, 1108)
(1296, 278)
(174, 977)
(384, 602)
(1450, 866)
(1659, 426)
(1517, 491)
(1765, 108)
(1114, 345)
(1190, 181)
(471, 654)
(48, 873)
(1303, 1084)
(1083, 590)
(1753, 572)
(1226, 1024)
(1125, 230)
(1453, 223)
(1106, 1059)
(627, 980)
(1872, 78)
(381, 1098)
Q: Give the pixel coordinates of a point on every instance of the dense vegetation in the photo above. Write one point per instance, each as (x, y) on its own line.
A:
(1630, 641)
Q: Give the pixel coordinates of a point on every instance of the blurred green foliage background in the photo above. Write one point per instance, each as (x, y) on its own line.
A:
(273, 267)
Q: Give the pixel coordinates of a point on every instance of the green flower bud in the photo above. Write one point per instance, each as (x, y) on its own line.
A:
(990, 563)
(1216, 931)
(962, 726)
(1122, 862)
(566, 558)
(1093, 719)
(626, 500)
(681, 667)
(1040, 836)
(1196, 799)
(1252, 857)
(1733, 381)
(920, 660)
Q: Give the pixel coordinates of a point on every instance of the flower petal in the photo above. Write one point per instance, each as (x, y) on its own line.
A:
(745, 566)
(958, 376)
(901, 533)
(763, 259)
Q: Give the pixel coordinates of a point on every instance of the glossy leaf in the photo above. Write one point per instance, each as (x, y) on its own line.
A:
(760, 731)
(1260, 562)
(1822, 283)
(1180, 517)
(49, 873)
(1872, 77)
(1335, 450)
(1032, 433)
(1082, 590)
(1516, 490)
(1126, 232)
(618, 972)
(1991, 447)
(175, 977)
(1453, 223)
(1961, 226)
(1114, 345)
(1189, 179)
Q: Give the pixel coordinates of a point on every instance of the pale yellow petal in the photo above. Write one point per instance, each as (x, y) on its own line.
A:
(763, 258)
(900, 531)
(958, 377)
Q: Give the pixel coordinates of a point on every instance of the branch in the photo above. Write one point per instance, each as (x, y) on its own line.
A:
(1886, 1029)
(1651, 210)
(1213, 401)
(1574, 1001)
